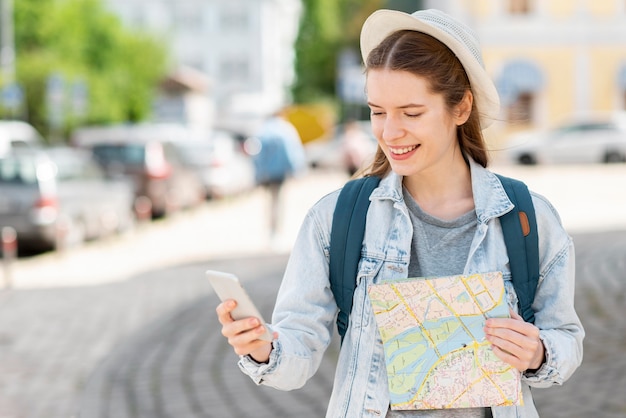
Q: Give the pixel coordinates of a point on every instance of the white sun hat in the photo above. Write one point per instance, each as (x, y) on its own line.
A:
(461, 40)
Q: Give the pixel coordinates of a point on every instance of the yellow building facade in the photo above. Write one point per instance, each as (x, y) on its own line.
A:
(552, 60)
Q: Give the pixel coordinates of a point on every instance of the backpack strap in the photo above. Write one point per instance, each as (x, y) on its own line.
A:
(346, 240)
(519, 227)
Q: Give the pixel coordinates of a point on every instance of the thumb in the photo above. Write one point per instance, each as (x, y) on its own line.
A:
(515, 315)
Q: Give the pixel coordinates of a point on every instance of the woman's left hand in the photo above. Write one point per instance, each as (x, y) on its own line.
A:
(515, 342)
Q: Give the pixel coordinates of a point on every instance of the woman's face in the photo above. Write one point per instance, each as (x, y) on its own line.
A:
(414, 128)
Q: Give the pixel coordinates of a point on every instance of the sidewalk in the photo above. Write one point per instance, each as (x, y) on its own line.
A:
(234, 227)
(589, 198)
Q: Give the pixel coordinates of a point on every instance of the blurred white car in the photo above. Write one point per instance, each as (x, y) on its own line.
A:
(220, 163)
(583, 141)
(351, 147)
(59, 196)
(145, 154)
(18, 134)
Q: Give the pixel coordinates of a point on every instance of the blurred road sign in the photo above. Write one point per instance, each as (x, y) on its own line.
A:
(11, 96)
(352, 85)
(79, 98)
(55, 96)
(351, 78)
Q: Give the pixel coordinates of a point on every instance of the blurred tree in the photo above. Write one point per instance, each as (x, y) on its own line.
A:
(330, 29)
(327, 27)
(80, 44)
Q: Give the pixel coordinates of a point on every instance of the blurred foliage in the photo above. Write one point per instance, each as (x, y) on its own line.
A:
(79, 41)
(326, 27)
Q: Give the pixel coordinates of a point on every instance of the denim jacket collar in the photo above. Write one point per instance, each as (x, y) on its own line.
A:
(490, 199)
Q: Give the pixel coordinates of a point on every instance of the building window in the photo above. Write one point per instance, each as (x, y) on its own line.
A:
(519, 7)
(233, 20)
(519, 84)
(234, 70)
(521, 110)
(188, 20)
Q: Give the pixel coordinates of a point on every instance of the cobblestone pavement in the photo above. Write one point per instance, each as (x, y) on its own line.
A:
(150, 347)
(181, 366)
(147, 344)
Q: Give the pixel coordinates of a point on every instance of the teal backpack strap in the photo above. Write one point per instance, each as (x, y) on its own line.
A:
(522, 244)
(346, 240)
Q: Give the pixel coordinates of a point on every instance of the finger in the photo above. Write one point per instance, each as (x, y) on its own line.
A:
(241, 326)
(519, 332)
(247, 341)
(223, 311)
(250, 347)
(518, 345)
(515, 315)
(510, 323)
(508, 358)
(505, 344)
(516, 356)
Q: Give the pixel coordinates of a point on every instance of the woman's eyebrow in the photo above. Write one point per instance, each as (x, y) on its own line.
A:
(406, 106)
(410, 105)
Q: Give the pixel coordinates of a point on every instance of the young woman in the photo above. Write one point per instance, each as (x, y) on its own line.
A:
(434, 213)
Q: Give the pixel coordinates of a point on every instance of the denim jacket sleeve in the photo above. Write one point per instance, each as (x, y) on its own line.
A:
(305, 311)
(560, 328)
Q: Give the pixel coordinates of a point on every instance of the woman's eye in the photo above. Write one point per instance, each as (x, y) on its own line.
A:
(376, 113)
(413, 115)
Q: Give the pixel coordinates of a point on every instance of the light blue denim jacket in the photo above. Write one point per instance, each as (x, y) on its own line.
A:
(305, 310)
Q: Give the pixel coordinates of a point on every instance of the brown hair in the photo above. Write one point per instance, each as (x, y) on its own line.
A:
(425, 56)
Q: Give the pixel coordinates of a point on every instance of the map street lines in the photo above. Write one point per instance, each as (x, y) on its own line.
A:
(435, 348)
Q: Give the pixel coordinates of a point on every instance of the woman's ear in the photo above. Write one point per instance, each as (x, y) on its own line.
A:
(464, 108)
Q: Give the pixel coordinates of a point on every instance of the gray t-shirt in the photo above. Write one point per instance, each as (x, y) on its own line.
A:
(439, 248)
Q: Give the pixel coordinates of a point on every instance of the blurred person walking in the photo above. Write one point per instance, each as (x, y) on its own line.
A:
(435, 213)
(278, 155)
(356, 147)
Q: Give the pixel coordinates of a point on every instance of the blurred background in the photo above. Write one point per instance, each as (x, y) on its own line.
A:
(126, 171)
(70, 68)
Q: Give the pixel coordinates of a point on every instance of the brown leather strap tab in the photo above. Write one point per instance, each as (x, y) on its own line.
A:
(523, 220)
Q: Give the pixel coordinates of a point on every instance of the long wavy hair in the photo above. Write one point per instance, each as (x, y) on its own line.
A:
(426, 57)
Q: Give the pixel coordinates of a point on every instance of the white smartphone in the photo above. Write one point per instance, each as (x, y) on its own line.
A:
(228, 286)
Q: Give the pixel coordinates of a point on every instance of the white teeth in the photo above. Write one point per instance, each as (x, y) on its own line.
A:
(399, 151)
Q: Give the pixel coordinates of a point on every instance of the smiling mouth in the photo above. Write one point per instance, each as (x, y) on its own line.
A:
(404, 150)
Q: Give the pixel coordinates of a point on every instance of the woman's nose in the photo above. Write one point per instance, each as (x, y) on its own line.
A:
(392, 129)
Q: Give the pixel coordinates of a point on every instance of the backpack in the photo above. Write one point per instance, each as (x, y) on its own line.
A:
(280, 154)
(519, 227)
(272, 163)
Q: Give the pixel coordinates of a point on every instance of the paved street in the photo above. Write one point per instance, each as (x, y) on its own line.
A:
(112, 331)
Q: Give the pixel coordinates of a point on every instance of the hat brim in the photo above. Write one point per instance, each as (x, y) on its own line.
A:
(383, 23)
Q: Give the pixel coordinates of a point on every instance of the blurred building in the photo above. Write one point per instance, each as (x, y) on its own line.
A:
(245, 48)
(552, 60)
(184, 97)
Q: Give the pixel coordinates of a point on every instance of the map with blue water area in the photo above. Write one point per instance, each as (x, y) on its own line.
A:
(436, 353)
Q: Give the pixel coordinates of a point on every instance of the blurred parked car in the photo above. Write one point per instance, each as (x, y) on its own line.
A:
(146, 154)
(220, 163)
(585, 141)
(60, 197)
(351, 147)
(18, 134)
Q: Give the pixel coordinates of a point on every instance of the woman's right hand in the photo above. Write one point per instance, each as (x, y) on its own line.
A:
(243, 335)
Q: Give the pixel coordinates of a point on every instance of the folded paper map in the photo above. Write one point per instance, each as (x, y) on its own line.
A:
(435, 348)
